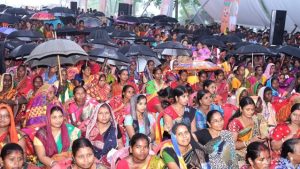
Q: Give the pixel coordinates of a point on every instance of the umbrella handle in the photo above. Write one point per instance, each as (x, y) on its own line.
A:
(59, 69)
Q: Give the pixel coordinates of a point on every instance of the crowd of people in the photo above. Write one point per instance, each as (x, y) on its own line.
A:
(93, 115)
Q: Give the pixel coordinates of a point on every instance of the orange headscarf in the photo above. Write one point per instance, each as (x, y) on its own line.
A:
(12, 129)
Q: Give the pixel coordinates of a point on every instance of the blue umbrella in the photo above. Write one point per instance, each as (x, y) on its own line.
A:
(55, 22)
(7, 31)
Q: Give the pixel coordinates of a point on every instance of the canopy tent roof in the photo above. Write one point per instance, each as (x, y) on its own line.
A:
(256, 13)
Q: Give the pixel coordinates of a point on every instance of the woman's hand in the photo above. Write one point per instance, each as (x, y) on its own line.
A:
(257, 139)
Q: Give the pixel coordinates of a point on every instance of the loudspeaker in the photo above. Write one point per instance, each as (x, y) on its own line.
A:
(125, 9)
(277, 27)
(73, 6)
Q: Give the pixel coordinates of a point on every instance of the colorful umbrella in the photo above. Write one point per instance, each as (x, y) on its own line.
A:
(43, 16)
(197, 65)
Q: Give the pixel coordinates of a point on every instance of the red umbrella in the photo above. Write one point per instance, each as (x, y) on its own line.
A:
(43, 16)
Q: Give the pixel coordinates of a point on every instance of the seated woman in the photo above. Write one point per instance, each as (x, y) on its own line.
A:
(8, 130)
(52, 143)
(12, 156)
(64, 88)
(83, 155)
(183, 77)
(139, 120)
(101, 90)
(205, 104)
(157, 83)
(244, 125)
(219, 143)
(273, 83)
(139, 156)
(290, 152)
(7, 91)
(182, 151)
(222, 87)
(103, 132)
(80, 107)
(123, 80)
(85, 78)
(257, 156)
(180, 112)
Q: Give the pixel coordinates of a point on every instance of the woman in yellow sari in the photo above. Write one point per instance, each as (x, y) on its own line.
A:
(245, 128)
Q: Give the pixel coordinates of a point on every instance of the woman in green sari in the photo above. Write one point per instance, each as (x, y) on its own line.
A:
(245, 128)
(53, 142)
(153, 86)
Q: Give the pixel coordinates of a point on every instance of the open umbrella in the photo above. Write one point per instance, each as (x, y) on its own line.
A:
(105, 43)
(12, 44)
(127, 19)
(144, 39)
(175, 52)
(213, 42)
(230, 39)
(197, 65)
(170, 48)
(69, 31)
(142, 62)
(22, 50)
(146, 20)
(10, 19)
(98, 34)
(99, 14)
(171, 45)
(109, 54)
(137, 50)
(63, 60)
(289, 50)
(43, 16)
(168, 20)
(24, 35)
(16, 11)
(6, 30)
(62, 11)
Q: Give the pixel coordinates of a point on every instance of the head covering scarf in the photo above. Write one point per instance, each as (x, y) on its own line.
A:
(267, 74)
(268, 110)
(133, 104)
(46, 137)
(110, 138)
(238, 94)
(2, 80)
(13, 135)
(255, 88)
(274, 92)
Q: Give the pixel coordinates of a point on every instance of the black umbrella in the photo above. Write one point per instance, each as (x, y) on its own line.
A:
(137, 50)
(240, 44)
(22, 51)
(181, 30)
(109, 54)
(213, 42)
(100, 14)
(98, 34)
(16, 11)
(106, 43)
(10, 19)
(61, 10)
(144, 39)
(158, 17)
(230, 39)
(289, 50)
(128, 19)
(63, 60)
(68, 19)
(12, 44)
(168, 20)
(253, 49)
(69, 31)
(123, 34)
(24, 35)
(146, 20)
(172, 48)
(171, 45)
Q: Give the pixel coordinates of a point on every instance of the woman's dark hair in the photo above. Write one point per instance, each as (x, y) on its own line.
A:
(182, 71)
(125, 88)
(189, 89)
(274, 79)
(10, 148)
(77, 88)
(210, 114)
(56, 108)
(254, 149)
(179, 91)
(244, 102)
(37, 77)
(81, 143)
(119, 73)
(165, 93)
(101, 76)
(207, 83)
(295, 107)
(289, 147)
(202, 72)
(200, 94)
(149, 61)
(297, 88)
(267, 89)
(83, 67)
(176, 125)
(218, 72)
(23, 66)
(156, 69)
(138, 136)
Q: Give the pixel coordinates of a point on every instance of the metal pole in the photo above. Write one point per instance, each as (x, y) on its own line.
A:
(176, 9)
(199, 10)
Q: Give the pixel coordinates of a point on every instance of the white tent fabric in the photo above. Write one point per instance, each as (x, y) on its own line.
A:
(252, 12)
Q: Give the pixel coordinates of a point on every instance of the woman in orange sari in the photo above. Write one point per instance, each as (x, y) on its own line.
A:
(8, 130)
(7, 91)
(101, 90)
(123, 79)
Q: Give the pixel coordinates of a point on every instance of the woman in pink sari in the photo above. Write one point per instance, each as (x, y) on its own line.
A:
(257, 77)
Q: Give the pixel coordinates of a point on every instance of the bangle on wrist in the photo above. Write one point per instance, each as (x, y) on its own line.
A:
(52, 162)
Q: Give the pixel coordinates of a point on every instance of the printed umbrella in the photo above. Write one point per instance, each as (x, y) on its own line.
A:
(43, 16)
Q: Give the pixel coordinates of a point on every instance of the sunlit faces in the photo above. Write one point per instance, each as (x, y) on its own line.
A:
(64, 75)
(248, 110)
(84, 158)
(140, 150)
(216, 122)
(184, 76)
(262, 161)
(183, 99)
(104, 115)
(53, 69)
(57, 118)
(241, 70)
(14, 160)
(259, 70)
(275, 84)
(7, 81)
(141, 105)
(183, 136)
(4, 118)
(220, 76)
(102, 81)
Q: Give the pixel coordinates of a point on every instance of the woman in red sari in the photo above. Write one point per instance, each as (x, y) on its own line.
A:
(22, 81)
(123, 79)
(222, 85)
(101, 90)
(121, 106)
